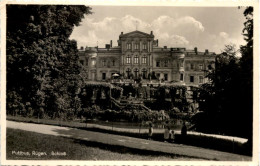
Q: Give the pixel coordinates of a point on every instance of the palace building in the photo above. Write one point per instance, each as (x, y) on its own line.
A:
(139, 56)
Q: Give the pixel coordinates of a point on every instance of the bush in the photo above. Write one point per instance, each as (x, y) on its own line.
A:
(130, 115)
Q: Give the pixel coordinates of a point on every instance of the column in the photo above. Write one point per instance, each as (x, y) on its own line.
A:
(132, 45)
(141, 45)
(148, 46)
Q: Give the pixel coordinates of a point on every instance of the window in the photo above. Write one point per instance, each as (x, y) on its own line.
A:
(128, 71)
(166, 63)
(157, 63)
(128, 59)
(144, 71)
(103, 62)
(82, 62)
(144, 59)
(181, 64)
(103, 76)
(86, 62)
(201, 67)
(136, 59)
(200, 79)
(191, 78)
(136, 71)
(128, 46)
(165, 77)
(93, 62)
(191, 66)
(181, 77)
(113, 62)
(144, 46)
(136, 46)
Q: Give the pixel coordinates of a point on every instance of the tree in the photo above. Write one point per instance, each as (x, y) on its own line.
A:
(42, 63)
(218, 98)
(246, 64)
(226, 101)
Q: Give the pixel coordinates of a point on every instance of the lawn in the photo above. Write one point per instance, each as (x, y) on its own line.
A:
(24, 145)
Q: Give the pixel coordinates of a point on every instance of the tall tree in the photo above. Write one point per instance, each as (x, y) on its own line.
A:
(42, 63)
(227, 100)
(246, 64)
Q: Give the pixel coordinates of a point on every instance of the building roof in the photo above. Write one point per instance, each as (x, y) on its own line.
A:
(136, 34)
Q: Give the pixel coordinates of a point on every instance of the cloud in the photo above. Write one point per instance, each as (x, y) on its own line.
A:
(223, 39)
(223, 35)
(183, 31)
(170, 31)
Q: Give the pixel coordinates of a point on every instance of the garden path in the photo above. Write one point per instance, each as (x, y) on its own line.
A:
(129, 142)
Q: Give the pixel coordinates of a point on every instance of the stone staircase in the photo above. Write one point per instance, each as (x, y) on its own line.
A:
(122, 105)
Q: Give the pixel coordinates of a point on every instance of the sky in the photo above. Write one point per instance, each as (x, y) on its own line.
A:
(202, 27)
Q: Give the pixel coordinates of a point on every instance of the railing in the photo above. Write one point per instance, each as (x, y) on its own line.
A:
(122, 105)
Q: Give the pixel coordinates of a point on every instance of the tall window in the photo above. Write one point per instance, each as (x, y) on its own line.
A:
(93, 62)
(191, 78)
(200, 79)
(128, 46)
(181, 77)
(113, 62)
(144, 46)
(103, 62)
(128, 71)
(136, 46)
(136, 59)
(191, 66)
(144, 59)
(166, 77)
(144, 71)
(136, 71)
(166, 63)
(157, 63)
(103, 76)
(201, 67)
(128, 59)
(181, 64)
(86, 62)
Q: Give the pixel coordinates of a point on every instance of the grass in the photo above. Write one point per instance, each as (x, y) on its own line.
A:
(24, 141)
(194, 140)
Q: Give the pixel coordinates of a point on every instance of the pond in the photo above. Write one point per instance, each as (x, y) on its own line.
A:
(175, 124)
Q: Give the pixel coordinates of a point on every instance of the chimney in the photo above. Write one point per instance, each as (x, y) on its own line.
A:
(151, 32)
(122, 33)
(81, 48)
(157, 42)
(111, 43)
(165, 47)
(206, 51)
(196, 50)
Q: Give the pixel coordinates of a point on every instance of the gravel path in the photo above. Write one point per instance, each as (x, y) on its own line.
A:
(182, 150)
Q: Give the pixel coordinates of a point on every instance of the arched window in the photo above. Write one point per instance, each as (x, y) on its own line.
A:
(128, 71)
(144, 73)
(128, 59)
(136, 59)
(136, 71)
(144, 59)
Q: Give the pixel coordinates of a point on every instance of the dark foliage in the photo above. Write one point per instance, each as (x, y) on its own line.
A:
(42, 63)
(226, 101)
